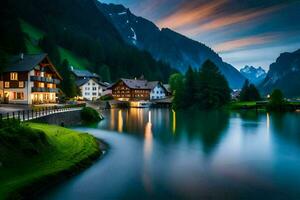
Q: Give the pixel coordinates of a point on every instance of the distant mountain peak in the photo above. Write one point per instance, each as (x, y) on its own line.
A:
(165, 44)
(254, 74)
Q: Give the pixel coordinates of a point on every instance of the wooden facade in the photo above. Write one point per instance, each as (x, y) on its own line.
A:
(121, 91)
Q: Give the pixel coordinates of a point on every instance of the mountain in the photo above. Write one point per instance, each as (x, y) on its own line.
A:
(165, 44)
(78, 28)
(284, 74)
(254, 75)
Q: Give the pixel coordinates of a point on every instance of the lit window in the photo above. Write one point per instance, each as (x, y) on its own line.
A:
(13, 76)
(6, 84)
(41, 85)
(21, 84)
(18, 95)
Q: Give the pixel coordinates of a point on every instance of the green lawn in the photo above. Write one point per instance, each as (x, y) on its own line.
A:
(66, 149)
(242, 105)
(75, 61)
(34, 35)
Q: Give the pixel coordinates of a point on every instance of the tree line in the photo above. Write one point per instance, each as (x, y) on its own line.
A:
(205, 88)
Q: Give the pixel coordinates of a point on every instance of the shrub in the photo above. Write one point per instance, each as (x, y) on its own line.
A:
(89, 115)
(106, 97)
(19, 139)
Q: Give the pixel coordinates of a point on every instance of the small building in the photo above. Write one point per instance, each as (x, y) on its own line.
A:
(158, 90)
(137, 90)
(89, 84)
(90, 88)
(29, 79)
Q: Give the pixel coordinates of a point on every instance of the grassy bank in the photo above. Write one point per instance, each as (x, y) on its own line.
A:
(253, 105)
(40, 156)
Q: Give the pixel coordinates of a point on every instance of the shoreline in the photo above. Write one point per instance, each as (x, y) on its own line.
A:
(40, 185)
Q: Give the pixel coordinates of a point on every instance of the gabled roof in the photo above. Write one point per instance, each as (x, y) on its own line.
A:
(139, 84)
(152, 84)
(83, 81)
(84, 73)
(135, 83)
(29, 61)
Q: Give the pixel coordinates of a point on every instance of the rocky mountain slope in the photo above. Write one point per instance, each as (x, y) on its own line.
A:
(81, 29)
(166, 45)
(284, 74)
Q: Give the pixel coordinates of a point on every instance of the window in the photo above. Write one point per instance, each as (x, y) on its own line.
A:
(94, 93)
(6, 84)
(94, 84)
(13, 76)
(94, 88)
(21, 84)
(41, 85)
(87, 93)
(18, 95)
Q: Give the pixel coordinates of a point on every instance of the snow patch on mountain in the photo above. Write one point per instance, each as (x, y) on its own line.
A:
(254, 75)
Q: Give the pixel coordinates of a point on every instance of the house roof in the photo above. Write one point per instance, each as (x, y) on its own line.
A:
(83, 81)
(135, 83)
(28, 62)
(84, 73)
(152, 84)
(139, 84)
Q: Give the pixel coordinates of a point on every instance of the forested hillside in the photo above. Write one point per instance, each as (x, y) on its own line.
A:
(75, 30)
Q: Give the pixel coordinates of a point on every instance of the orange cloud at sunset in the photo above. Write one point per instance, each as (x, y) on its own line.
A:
(239, 17)
(189, 14)
(244, 42)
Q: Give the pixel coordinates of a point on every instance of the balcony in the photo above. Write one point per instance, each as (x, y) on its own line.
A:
(37, 89)
(44, 79)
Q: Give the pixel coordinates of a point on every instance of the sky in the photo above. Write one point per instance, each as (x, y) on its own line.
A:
(243, 32)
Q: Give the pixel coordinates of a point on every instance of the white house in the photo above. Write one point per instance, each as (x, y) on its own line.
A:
(158, 91)
(90, 88)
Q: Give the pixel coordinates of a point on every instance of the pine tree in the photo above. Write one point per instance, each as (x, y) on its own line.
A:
(212, 88)
(68, 84)
(249, 92)
(189, 87)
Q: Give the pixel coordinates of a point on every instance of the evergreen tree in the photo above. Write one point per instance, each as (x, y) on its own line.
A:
(104, 73)
(68, 84)
(249, 92)
(212, 88)
(178, 101)
(189, 87)
(175, 81)
(276, 98)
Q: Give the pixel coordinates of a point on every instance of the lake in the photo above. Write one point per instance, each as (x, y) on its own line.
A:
(160, 153)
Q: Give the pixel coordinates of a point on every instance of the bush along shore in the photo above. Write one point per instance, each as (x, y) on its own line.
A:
(35, 156)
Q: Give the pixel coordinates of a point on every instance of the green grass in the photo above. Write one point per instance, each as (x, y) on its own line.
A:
(242, 105)
(75, 61)
(64, 152)
(34, 35)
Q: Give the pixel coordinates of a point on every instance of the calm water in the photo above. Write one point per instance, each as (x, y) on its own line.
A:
(158, 153)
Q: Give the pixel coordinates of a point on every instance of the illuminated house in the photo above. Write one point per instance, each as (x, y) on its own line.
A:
(137, 89)
(89, 84)
(29, 79)
(91, 89)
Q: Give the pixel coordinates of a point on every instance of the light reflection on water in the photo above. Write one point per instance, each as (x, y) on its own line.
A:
(163, 153)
